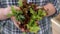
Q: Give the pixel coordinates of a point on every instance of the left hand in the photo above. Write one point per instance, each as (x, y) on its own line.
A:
(50, 9)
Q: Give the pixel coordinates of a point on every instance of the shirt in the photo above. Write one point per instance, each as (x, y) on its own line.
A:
(8, 26)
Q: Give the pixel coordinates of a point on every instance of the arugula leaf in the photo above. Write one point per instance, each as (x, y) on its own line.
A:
(24, 32)
(40, 12)
(9, 15)
(44, 13)
(13, 12)
(32, 11)
(20, 3)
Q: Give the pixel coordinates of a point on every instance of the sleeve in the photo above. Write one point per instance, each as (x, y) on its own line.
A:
(3, 22)
(3, 3)
(0, 3)
(13, 2)
(56, 4)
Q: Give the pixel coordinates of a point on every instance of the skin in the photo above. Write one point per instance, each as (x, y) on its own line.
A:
(50, 9)
(5, 11)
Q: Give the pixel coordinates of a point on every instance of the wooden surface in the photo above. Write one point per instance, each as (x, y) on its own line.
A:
(56, 25)
(55, 28)
(57, 18)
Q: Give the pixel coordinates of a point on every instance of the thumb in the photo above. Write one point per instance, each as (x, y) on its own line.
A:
(16, 23)
(15, 7)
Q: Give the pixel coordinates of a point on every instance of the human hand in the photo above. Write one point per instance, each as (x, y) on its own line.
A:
(17, 23)
(8, 11)
(50, 9)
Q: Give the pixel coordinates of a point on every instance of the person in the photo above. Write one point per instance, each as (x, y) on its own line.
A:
(11, 26)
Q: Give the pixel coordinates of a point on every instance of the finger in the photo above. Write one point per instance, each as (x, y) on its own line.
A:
(46, 8)
(39, 7)
(22, 29)
(15, 21)
(17, 8)
(17, 24)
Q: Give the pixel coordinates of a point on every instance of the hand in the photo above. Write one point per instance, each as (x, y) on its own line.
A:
(5, 11)
(17, 23)
(50, 9)
(8, 9)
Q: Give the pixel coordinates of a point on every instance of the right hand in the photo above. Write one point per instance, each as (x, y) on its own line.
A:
(17, 23)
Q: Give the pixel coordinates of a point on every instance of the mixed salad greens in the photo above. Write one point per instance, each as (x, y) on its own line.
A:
(28, 16)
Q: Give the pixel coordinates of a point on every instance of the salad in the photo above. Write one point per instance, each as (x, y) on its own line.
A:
(28, 16)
